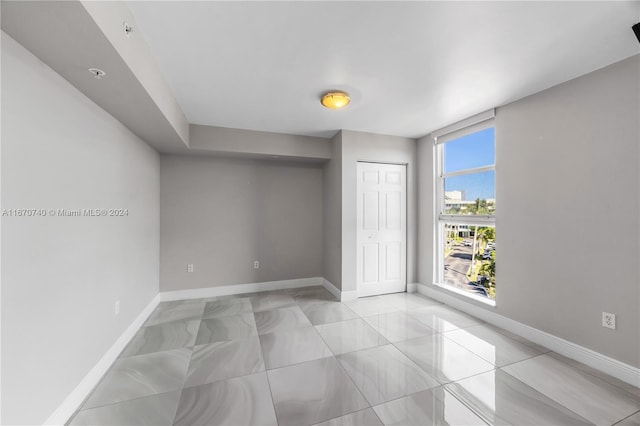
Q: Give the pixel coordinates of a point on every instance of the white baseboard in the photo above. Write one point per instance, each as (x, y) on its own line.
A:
(412, 288)
(606, 364)
(343, 296)
(199, 293)
(71, 403)
(331, 288)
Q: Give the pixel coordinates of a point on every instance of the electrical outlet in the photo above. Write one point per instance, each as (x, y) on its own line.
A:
(256, 264)
(117, 307)
(609, 320)
(190, 267)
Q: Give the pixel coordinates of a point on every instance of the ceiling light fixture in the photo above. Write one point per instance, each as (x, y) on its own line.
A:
(97, 73)
(335, 100)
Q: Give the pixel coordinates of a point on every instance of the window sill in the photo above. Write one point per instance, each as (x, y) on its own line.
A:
(469, 295)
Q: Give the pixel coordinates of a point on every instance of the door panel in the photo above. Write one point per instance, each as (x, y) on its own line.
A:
(370, 176)
(370, 213)
(393, 259)
(370, 265)
(381, 228)
(393, 211)
(392, 178)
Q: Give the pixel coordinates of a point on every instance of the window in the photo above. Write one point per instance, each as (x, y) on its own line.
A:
(465, 209)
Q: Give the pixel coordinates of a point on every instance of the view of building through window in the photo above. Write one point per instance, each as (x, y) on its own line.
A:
(467, 252)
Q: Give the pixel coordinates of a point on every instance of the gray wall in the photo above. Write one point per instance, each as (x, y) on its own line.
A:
(332, 215)
(222, 214)
(61, 276)
(361, 146)
(426, 202)
(568, 188)
(255, 144)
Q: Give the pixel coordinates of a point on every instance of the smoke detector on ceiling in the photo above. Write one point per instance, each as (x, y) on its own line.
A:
(97, 73)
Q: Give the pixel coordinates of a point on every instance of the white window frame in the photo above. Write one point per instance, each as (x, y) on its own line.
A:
(440, 138)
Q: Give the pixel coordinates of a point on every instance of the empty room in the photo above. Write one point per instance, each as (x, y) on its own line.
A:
(326, 213)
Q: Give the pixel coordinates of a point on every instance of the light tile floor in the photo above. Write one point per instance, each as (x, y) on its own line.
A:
(299, 357)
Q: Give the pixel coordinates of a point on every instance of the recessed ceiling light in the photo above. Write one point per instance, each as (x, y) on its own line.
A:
(335, 100)
(97, 73)
(128, 29)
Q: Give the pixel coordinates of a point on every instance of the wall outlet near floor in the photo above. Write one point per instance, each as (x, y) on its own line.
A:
(609, 320)
(256, 264)
(117, 307)
(190, 267)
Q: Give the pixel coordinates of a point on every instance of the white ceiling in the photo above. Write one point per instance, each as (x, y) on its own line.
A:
(410, 67)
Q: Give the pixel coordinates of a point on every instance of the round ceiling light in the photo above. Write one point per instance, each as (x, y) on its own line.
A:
(335, 100)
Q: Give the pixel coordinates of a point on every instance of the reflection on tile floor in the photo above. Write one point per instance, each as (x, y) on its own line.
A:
(299, 357)
(313, 392)
(384, 373)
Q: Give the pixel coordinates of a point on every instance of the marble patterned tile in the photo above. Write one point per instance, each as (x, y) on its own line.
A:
(490, 345)
(226, 328)
(384, 373)
(499, 398)
(633, 390)
(224, 360)
(312, 296)
(366, 417)
(430, 407)
(368, 306)
(313, 392)
(349, 336)
(443, 359)
(155, 410)
(141, 375)
(240, 401)
(224, 308)
(442, 318)
(162, 337)
(409, 301)
(630, 421)
(271, 300)
(326, 312)
(397, 326)
(292, 347)
(281, 319)
(184, 311)
(590, 397)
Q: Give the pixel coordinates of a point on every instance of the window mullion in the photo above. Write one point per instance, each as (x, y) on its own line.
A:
(482, 169)
(468, 219)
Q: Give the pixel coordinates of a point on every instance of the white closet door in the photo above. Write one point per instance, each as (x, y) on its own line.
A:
(382, 228)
